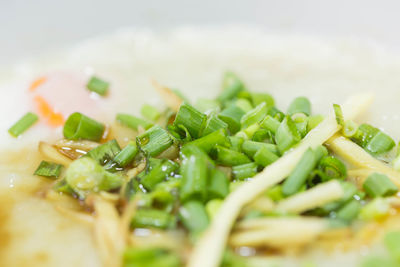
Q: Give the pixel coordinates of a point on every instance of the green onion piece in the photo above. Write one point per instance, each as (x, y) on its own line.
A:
(231, 87)
(23, 124)
(153, 218)
(86, 175)
(98, 86)
(154, 141)
(146, 257)
(392, 241)
(207, 106)
(218, 185)
(379, 185)
(213, 124)
(332, 168)
(300, 105)
(126, 155)
(320, 152)
(208, 142)
(232, 116)
(212, 207)
(244, 104)
(377, 209)
(132, 121)
(259, 98)
(349, 128)
(104, 153)
(244, 171)
(194, 216)
(63, 187)
(79, 126)
(270, 124)
(254, 115)
(276, 114)
(275, 193)
(194, 173)
(349, 211)
(287, 135)
(299, 174)
(349, 190)
(158, 173)
(149, 112)
(48, 169)
(236, 143)
(380, 143)
(262, 135)
(364, 134)
(264, 157)
(228, 157)
(249, 131)
(192, 119)
(313, 121)
(251, 147)
(338, 114)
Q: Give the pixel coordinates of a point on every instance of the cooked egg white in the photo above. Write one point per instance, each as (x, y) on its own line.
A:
(33, 232)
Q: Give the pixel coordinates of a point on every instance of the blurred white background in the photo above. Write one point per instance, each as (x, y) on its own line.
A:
(32, 27)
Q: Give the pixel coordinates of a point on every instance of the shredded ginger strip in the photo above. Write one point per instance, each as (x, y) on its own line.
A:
(209, 249)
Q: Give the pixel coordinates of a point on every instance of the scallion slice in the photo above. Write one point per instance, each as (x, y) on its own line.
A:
(264, 157)
(379, 185)
(231, 87)
(79, 126)
(349, 211)
(254, 115)
(23, 124)
(287, 135)
(270, 124)
(98, 86)
(213, 124)
(244, 171)
(132, 121)
(259, 98)
(154, 141)
(193, 120)
(105, 153)
(49, 169)
(153, 218)
(208, 142)
(228, 157)
(218, 185)
(126, 155)
(232, 116)
(380, 144)
(251, 147)
(338, 114)
(149, 112)
(194, 216)
(158, 173)
(300, 105)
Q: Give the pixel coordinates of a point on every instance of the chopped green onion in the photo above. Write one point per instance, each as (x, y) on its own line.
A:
(192, 119)
(380, 143)
(194, 173)
(85, 174)
(145, 257)
(287, 135)
(212, 207)
(158, 173)
(126, 155)
(23, 124)
(349, 128)
(275, 193)
(338, 114)
(299, 174)
(231, 87)
(154, 141)
(262, 135)
(349, 190)
(149, 112)
(377, 209)
(251, 147)
(349, 211)
(244, 104)
(264, 157)
(236, 143)
(48, 169)
(332, 168)
(228, 157)
(392, 241)
(259, 98)
(254, 115)
(276, 114)
(270, 124)
(364, 134)
(208, 142)
(300, 105)
(232, 116)
(213, 124)
(244, 171)
(218, 185)
(153, 218)
(98, 85)
(104, 153)
(79, 126)
(132, 121)
(207, 106)
(313, 121)
(194, 216)
(379, 185)
(249, 131)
